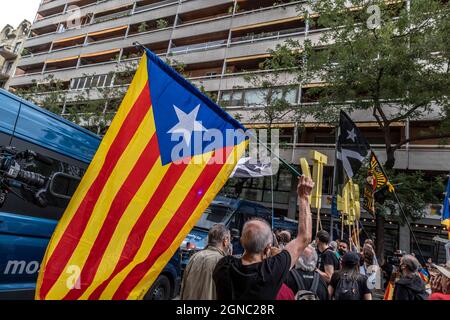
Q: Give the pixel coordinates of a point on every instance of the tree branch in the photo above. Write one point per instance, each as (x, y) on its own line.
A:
(430, 136)
(408, 113)
(380, 123)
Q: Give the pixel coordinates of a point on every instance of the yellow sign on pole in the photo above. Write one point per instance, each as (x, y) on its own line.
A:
(319, 160)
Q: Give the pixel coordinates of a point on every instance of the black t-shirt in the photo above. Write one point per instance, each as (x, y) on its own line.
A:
(308, 277)
(326, 258)
(258, 281)
(362, 284)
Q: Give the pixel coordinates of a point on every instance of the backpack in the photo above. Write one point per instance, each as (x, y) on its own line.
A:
(347, 289)
(303, 293)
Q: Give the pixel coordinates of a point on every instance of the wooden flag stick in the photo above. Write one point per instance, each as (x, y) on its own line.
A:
(357, 234)
(350, 234)
(342, 226)
(318, 220)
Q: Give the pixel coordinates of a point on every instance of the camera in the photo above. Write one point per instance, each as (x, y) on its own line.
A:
(54, 188)
(396, 258)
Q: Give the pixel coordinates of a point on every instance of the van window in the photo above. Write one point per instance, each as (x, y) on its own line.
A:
(9, 109)
(25, 198)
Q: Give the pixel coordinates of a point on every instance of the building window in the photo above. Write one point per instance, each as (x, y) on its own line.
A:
(259, 97)
(17, 47)
(89, 82)
(255, 98)
(8, 67)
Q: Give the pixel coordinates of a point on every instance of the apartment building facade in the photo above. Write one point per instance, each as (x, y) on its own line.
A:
(11, 44)
(86, 44)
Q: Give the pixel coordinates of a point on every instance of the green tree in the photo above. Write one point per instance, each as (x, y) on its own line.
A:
(274, 84)
(48, 93)
(395, 65)
(388, 58)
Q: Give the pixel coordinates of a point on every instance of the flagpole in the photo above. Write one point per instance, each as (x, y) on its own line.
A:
(401, 210)
(334, 181)
(284, 162)
(409, 225)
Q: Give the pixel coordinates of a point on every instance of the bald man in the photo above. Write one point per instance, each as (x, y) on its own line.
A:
(259, 274)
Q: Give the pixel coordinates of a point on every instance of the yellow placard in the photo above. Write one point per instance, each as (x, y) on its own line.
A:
(319, 160)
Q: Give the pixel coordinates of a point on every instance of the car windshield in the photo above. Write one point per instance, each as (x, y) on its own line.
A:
(213, 215)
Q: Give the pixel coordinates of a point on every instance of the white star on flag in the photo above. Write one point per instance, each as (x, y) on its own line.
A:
(187, 124)
(351, 135)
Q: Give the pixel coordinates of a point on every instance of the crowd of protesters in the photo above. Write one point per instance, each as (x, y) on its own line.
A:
(276, 267)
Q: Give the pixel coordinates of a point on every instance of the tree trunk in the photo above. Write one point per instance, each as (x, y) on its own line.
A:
(390, 160)
(379, 244)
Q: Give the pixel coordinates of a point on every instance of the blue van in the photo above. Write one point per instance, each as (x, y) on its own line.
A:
(42, 160)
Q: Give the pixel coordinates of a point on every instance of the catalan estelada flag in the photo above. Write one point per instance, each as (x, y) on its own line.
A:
(168, 152)
(424, 275)
(389, 293)
(446, 208)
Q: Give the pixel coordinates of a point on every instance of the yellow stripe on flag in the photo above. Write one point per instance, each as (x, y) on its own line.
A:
(161, 220)
(124, 227)
(120, 173)
(143, 286)
(139, 82)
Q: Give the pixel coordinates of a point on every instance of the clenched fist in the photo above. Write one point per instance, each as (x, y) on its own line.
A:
(305, 187)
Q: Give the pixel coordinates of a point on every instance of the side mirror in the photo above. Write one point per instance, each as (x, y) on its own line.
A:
(235, 234)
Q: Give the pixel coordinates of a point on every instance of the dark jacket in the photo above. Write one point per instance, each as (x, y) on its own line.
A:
(410, 288)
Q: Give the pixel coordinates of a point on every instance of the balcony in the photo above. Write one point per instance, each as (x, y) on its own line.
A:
(162, 10)
(199, 43)
(91, 8)
(7, 52)
(50, 12)
(113, 14)
(421, 157)
(146, 5)
(208, 13)
(255, 13)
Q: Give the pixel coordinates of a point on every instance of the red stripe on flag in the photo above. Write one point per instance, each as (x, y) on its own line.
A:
(174, 227)
(141, 226)
(70, 239)
(120, 203)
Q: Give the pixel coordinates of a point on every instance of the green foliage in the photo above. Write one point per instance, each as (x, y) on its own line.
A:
(414, 189)
(52, 100)
(25, 52)
(162, 23)
(274, 82)
(92, 108)
(395, 69)
(143, 27)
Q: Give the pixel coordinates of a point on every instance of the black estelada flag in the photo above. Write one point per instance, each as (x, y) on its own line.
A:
(252, 168)
(352, 148)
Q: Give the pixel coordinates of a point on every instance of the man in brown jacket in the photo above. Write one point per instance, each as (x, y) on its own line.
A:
(197, 282)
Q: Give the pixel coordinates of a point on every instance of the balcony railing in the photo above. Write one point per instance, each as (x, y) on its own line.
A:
(155, 6)
(268, 35)
(198, 47)
(169, 3)
(112, 16)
